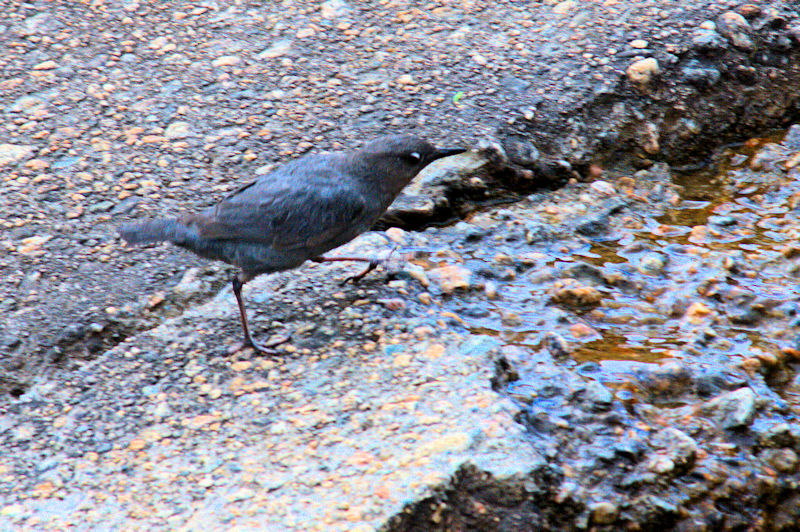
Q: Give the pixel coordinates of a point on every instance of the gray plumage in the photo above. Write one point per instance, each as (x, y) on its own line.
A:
(299, 211)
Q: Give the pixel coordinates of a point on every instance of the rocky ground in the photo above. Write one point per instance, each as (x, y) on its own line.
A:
(603, 355)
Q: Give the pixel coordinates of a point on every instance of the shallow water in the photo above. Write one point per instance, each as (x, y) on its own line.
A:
(709, 273)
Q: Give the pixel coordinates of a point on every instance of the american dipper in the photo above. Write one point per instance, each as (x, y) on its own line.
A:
(297, 212)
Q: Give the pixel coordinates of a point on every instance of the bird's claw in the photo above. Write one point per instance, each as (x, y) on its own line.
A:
(266, 349)
(356, 278)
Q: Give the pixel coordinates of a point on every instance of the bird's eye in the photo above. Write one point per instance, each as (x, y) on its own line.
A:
(413, 157)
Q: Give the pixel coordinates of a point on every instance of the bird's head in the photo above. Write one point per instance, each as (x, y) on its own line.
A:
(396, 159)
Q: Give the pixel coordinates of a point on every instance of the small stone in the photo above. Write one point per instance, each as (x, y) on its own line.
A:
(406, 79)
(784, 460)
(334, 9)
(571, 293)
(652, 263)
(46, 65)
(190, 285)
(452, 277)
(226, 60)
(698, 309)
(305, 33)
(178, 130)
(638, 43)
(603, 187)
(660, 464)
(562, 8)
(678, 446)
(707, 40)
(604, 513)
(10, 153)
(490, 289)
(643, 70)
(734, 409)
(278, 49)
(597, 396)
(736, 29)
(556, 345)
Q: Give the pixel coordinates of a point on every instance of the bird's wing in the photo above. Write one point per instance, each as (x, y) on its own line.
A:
(284, 215)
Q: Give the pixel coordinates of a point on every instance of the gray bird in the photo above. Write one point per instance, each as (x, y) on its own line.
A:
(297, 212)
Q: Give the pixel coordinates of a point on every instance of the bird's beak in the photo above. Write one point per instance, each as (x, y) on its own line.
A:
(446, 152)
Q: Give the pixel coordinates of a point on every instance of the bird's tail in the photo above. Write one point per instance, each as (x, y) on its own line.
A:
(164, 229)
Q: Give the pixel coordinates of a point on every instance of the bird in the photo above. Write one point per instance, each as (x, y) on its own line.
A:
(296, 213)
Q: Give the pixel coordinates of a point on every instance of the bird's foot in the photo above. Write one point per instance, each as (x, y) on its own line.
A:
(267, 348)
(374, 263)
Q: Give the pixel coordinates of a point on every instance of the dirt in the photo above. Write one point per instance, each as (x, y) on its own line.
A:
(114, 367)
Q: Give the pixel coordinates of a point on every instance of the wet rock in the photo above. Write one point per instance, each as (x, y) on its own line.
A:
(669, 379)
(571, 293)
(592, 224)
(538, 232)
(734, 409)
(652, 263)
(597, 397)
(557, 346)
(780, 435)
(678, 447)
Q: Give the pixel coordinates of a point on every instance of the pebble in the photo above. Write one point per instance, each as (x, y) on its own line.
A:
(331, 9)
(45, 65)
(279, 48)
(603, 187)
(562, 8)
(643, 71)
(178, 130)
(678, 446)
(735, 28)
(604, 513)
(226, 60)
(10, 153)
(598, 397)
(652, 263)
(734, 409)
(451, 278)
(571, 293)
(783, 460)
(708, 40)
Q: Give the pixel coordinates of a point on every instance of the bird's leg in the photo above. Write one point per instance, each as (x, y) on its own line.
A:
(237, 283)
(373, 263)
